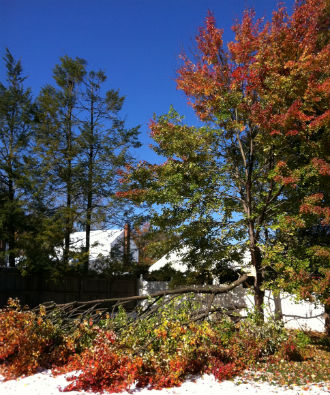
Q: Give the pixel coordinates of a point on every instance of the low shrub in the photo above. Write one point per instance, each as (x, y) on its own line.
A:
(103, 367)
(156, 350)
(224, 371)
(267, 336)
(29, 341)
(292, 349)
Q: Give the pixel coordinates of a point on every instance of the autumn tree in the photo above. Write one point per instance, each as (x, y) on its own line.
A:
(226, 186)
(104, 147)
(293, 79)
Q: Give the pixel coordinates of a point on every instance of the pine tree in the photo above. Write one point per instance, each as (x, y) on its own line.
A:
(17, 114)
(104, 147)
(57, 140)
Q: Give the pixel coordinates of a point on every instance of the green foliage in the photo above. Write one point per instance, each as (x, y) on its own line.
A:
(155, 351)
(104, 145)
(268, 335)
(17, 118)
(60, 162)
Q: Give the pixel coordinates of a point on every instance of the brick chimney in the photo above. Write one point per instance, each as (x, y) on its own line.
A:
(127, 244)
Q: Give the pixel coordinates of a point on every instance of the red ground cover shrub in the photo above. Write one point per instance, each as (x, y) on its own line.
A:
(29, 341)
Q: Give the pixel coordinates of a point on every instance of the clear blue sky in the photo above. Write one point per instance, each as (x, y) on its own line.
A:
(136, 42)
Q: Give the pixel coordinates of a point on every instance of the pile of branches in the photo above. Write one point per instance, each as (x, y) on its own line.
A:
(146, 305)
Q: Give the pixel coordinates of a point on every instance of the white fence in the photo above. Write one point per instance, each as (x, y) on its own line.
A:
(295, 315)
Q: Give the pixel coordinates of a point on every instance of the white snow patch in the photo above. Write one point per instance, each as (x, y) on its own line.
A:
(45, 384)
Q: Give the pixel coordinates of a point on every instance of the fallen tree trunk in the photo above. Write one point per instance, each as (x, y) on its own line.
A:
(214, 290)
(95, 309)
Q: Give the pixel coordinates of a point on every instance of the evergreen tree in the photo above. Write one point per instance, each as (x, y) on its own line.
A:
(57, 141)
(17, 115)
(104, 146)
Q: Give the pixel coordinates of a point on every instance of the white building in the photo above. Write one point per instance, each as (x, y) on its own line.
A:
(175, 260)
(105, 246)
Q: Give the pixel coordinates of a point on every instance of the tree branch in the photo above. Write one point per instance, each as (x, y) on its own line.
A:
(179, 291)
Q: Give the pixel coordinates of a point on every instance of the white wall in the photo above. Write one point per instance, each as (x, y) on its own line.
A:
(296, 315)
(150, 287)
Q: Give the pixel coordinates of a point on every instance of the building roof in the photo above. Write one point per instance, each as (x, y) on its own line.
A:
(101, 241)
(175, 260)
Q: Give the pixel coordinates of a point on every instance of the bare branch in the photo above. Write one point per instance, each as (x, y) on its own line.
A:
(178, 291)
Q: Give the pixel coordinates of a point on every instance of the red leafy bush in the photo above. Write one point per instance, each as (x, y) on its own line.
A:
(103, 367)
(29, 341)
(224, 371)
(290, 350)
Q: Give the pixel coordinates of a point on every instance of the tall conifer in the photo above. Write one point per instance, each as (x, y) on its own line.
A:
(104, 146)
(57, 139)
(16, 120)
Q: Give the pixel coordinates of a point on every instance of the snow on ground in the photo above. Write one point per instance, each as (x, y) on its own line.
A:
(44, 384)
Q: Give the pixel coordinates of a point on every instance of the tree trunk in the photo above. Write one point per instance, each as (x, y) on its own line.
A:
(256, 260)
(68, 227)
(256, 257)
(89, 207)
(259, 293)
(327, 319)
(2, 252)
(278, 307)
(68, 216)
(88, 236)
(11, 227)
(89, 186)
(11, 246)
(127, 242)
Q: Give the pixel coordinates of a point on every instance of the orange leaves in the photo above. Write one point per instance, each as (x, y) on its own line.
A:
(312, 205)
(322, 252)
(103, 368)
(322, 212)
(224, 371)
(154, 128)
(276, 63)
(29, 341)
(321, 120)
(292, 133)
(205, 80)
(284, 175)
(247, 36)
(315, 198)
(131, 194)
(209, 41)
(322, 166)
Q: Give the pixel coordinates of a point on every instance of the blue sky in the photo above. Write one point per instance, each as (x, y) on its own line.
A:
(136, 42)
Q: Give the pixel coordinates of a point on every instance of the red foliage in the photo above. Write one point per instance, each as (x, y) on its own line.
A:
(224, 371)
(102, 367)
(321, 166)
(130, 194)
(289, 350)
(29, 342)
